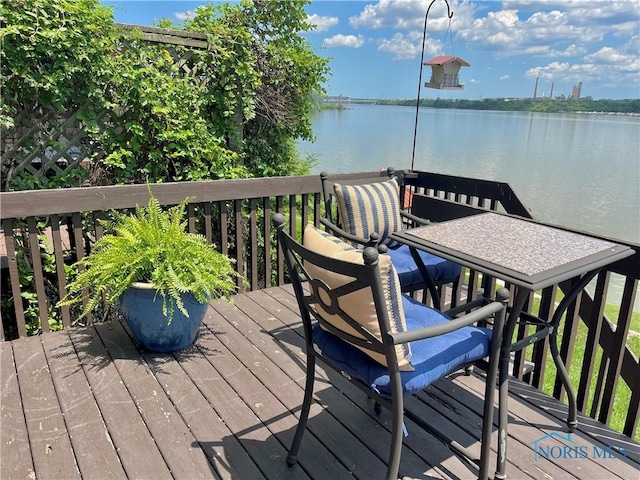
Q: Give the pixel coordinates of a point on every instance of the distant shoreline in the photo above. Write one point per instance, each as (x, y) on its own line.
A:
(629, 107)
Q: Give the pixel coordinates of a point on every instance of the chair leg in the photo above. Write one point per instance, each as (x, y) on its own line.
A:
(396, 440)
(397, 430)
(499, 353)
(292, 456)
(487, 420)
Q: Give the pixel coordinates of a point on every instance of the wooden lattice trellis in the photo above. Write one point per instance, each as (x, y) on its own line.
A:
(45, 142)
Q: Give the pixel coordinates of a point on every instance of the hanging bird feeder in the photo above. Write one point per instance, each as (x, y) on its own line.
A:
(444, 72)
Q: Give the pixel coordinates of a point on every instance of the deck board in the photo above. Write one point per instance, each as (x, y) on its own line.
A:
(87, 403)
(51, 448)
(15, 455)
(269, 381)
(363, 461)
(94, 451)
(178, 374)
(172, 436)
(130, 436)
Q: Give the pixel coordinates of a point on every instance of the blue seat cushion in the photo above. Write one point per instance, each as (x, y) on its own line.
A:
(441, 270)
(433, 358)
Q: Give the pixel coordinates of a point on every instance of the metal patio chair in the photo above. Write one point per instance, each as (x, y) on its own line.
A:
(367, 211)
(357, 322)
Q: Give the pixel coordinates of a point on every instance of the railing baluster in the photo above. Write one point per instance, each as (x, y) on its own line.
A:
(253, 239)
(266, 221)
(292, 216)
(14, 276)
(598, 391)
(38, 275)
(568, 336)
(224, 228)
(633, 414)
(78, 241)
(60, 273)
(208, 227)
(594, 323)
(617, 354)
(191, 218)
(280, 259)
(305, 210)
(316, 209)
(240, 265)
(541, 349)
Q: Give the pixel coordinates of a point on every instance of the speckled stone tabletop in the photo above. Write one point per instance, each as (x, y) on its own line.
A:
(518, 245)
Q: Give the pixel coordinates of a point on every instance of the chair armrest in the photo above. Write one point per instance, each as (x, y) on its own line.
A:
(417, 221)
(456, 323)
(373, 241)
(455, 311)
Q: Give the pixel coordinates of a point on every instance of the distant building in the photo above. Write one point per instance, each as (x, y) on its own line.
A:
(338, 99)
(575, 94)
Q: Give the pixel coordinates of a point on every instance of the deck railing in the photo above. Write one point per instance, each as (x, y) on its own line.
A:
(47, 230)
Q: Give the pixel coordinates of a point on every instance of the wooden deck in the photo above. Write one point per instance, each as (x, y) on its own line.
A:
(84, 403)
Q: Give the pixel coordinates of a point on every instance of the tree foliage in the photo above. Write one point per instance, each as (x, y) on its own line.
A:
(232, 110)
(272, 57)
(53, 53)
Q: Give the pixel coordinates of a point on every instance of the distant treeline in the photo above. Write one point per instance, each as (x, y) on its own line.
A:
(560, 104)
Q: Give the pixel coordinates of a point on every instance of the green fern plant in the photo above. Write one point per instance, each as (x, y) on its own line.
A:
(153, 246)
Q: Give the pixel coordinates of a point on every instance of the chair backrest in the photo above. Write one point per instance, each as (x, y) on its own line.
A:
(363, 206)
(349, 294)
(328, 193)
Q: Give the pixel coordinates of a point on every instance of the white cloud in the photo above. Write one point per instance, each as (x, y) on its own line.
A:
(608, 55)
(322, 23)
(409, 15)
(350, 41)
(605, 67)
(572, 50)
(505, 77)
(551, 34)
(186, 15)
(401, 47)
(550, 71)
(409, 46)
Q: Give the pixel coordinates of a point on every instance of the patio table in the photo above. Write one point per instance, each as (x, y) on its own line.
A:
(530, 256)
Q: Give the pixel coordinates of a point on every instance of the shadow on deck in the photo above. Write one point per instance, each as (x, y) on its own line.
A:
(85, 403)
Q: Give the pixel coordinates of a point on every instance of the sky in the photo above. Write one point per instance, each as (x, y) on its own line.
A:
(375, 47)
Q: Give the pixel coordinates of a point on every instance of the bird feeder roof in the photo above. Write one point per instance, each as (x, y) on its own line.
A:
(446, 59)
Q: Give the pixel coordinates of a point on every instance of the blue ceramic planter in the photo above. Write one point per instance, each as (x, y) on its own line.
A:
(142, 312)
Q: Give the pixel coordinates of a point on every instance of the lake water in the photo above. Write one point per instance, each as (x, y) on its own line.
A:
(577, 170)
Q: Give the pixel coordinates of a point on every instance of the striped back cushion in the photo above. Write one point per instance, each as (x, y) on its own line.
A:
(359, 305)
(374, 207)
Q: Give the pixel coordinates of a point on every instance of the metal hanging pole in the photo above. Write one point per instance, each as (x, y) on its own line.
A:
(424, 38)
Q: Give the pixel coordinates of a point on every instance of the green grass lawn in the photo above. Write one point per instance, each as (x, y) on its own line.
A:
(623, 393)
